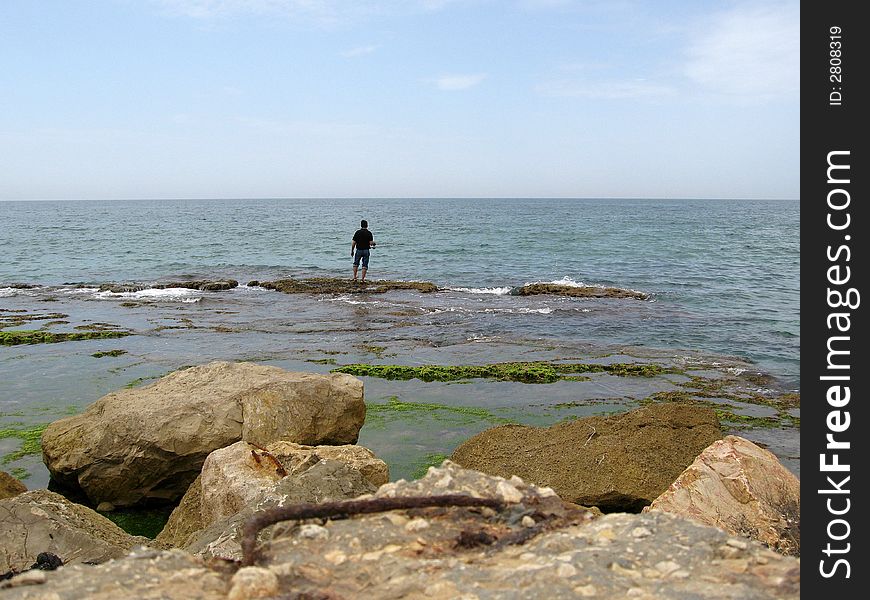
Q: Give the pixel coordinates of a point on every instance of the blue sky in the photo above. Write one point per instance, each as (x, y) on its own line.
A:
(389, 98)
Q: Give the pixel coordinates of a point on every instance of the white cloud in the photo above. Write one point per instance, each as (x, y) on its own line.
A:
(359, 51)
(751, 50)
(453, 83)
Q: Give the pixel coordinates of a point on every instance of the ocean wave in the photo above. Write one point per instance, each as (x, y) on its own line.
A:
(8, 292)
(520, 311)
(498, 291)
(155, 294)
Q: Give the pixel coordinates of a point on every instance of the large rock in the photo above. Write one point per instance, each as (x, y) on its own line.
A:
(537, 548)
(42, 521)
(617, 463)
(9, 486)
(741, 488)
(244, 476)
(149, 443)
(327, 480)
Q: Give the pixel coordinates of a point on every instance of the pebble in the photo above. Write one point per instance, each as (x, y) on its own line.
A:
(586, 590)
(253, 582)
(739, 544)
(565, 570)
(528, 521)
(640, 532)
(335, 557)
(312, 531)
(665, 567)
(416, 524)
(508, 492)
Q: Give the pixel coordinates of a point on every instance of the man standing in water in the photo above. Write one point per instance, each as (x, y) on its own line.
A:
(362, 243)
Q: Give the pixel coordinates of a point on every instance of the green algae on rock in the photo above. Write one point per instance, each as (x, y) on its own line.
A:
(14, 338)
(31, 441)
(575, 291)
(430, 460)
(111, 353)
(524, 372)
(335, 285)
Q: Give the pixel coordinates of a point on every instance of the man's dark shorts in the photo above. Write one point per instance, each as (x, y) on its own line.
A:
(362, 255)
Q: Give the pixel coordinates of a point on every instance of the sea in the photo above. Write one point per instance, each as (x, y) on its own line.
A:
(722, 278)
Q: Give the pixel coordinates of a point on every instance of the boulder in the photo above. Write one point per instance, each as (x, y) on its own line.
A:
(327, 480)
(42, 521)
(243, 476)
(739, 487)
(617, 463)
(296, 458)
(534, 548)
(9, 486)
(149, 443)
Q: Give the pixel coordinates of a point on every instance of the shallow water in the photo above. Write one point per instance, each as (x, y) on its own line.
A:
(723, 279)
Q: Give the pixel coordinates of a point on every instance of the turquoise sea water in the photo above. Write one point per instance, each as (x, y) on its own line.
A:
(722, 278)
(723, 274)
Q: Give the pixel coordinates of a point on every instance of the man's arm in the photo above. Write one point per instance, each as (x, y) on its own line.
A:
(352, 247)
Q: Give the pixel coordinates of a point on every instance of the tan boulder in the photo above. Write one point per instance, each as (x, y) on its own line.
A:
(737, 486)
(150, 442)
(9, 486)
(617, 463)
(42, 521)
(297, 457)
(244, 475)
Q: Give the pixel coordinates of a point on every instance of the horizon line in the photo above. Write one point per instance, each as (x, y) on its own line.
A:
(250, 198)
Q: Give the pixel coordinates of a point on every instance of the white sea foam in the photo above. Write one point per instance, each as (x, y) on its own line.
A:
(521, 311)
(166, 295)
(8, 292)
(497, 291)
(81, 291)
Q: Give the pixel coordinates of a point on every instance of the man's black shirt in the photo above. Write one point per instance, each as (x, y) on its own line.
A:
(363, 238)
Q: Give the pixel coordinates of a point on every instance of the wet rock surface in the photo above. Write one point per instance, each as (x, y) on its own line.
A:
(576, 291)
(737, 486)
(534, 547)
(202, 285)
(334, 285)
(9, 486)
(617, 463)
(149, 443)
(41, 521)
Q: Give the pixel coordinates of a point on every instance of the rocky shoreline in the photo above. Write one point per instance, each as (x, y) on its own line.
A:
(338, 285)
(232, 442)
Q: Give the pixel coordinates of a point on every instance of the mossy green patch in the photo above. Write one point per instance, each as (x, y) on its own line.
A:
(109, 353)
(430, 460)
(31, 440)
(19, 473)
(322, 361)
(14, 338)
(377, 414)
(524, 372)
(17, 318)
(378, 351)
(147, 522)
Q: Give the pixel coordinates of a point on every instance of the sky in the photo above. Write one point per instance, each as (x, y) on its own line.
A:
(126, 99)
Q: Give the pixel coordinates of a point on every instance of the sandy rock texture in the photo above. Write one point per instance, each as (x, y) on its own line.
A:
(617, 463)
(534, 547)
(42, 521)
(149, 443)
(739, 487)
